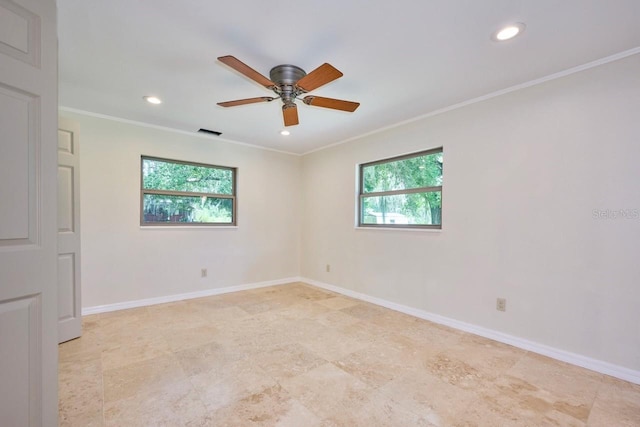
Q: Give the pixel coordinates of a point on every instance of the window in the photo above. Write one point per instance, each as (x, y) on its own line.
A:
(402, 192)
(183, 193)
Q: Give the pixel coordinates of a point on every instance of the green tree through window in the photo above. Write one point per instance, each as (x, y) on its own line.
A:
(403, 191)
(185, 193)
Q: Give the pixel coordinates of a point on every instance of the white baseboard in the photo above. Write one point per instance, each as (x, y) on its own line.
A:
(180, 297)
(562, 355)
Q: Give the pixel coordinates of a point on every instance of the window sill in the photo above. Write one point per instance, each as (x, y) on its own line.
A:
(187, 227)
(420, 230)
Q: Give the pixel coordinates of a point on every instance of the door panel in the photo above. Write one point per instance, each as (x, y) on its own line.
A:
(69, 302)
(19, 326)
(28, 244)
(67, 307)
(65, 199)
(18, 153)
(20, 29)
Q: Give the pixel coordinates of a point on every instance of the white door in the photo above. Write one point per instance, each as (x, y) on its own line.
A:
(69, 302)
(28, 177)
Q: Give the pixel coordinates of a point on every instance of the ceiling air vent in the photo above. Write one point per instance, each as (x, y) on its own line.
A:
(210, 132)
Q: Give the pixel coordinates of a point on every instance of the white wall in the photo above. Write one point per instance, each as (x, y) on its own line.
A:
(123, 262)
(523, 173)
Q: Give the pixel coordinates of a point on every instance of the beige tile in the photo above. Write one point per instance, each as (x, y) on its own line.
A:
(327, 390)
(572, 387)
(213, 355)
(226, 384)
(433, 334)
(545, 390)
(88, 346)
(364, 310)
(90, 322)
(384, 360)
(209, 303)
(80, 392)
(222, 316)
(617, 404)
(422, 393)
(174, 318)
(255, 307)
(235, 298)
(300, 329)
(291, 414)
(246, 340)
(135, 328)
(457, 371)
(91, 417)
(278, 291)
(265, 320)
(443, 404)
(333, 345)
(379, 410)
(270, 406)
(287, 361)
(295, 415)
(304, 310)
(119, 322)
(411, 351)
(530, 404)
(392, 321)
(190, 337)
(123, 351)
(335, 319)
(338, 302)
(311, 293)
(172, 404)
(363, 331)
(472, 362)
(142, 377)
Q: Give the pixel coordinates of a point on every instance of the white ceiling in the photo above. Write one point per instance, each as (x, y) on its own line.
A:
(400, 59)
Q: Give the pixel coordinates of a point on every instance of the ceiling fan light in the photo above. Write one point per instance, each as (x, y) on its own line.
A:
(508, 32)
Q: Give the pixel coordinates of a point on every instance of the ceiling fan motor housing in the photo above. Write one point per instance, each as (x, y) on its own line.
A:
(286, 74)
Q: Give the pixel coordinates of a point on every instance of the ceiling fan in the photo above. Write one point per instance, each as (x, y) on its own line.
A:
(289, 82)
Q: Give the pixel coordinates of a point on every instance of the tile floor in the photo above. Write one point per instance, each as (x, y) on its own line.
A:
(295, 355)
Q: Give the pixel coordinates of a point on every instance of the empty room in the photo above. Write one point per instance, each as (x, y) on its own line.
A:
(294, 213)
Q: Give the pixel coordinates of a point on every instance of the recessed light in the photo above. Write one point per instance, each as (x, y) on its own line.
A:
(285, 132)
(152, 99)
(508, 32)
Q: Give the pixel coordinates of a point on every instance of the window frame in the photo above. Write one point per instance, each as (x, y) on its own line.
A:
(431, 189)
(233, 196)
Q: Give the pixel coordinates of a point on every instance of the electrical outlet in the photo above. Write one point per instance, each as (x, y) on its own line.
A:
(203, 272)
(328, 268)
(501, 304)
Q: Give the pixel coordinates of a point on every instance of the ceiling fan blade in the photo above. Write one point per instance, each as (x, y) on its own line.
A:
(290, 114)
(243, 68)
(336, 104)
(246, 101)
(320, 76)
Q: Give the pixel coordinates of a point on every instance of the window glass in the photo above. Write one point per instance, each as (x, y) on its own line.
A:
(414, 172)
(402, 192)
(183, 193)
(163, 175)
